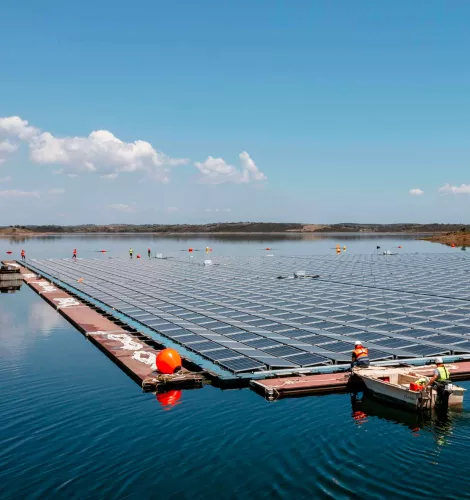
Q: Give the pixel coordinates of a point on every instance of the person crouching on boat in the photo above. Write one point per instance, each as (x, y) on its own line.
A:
(360, 356)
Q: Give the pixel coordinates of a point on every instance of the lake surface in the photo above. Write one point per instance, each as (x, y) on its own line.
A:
(89, 246)
(75, 426)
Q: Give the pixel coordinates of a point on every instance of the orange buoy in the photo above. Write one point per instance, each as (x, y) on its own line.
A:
(453, 245)
(399, 246)
(168, 361)
(190, 249)
(138, 256)
(169, 398)
(267, 249)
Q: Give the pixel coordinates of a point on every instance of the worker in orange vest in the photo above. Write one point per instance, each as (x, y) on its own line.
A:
(74, 256)
(23, 255)
(360, 355)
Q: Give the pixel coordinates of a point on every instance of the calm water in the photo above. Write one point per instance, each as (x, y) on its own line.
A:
(75, 426)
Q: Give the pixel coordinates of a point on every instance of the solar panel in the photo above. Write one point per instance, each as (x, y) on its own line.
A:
(309, 359)
(426, 350)
(260, 343)
(240, 365)
(203, 346)
(244, 336)
(424, 298)
(281, 351)
(221, 354)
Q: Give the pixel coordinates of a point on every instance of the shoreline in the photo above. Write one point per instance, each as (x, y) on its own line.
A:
(228, 233)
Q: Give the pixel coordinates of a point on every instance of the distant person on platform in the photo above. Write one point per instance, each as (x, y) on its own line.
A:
(149, 253)
(131, 251)
(74, 255)
(360, 356)
(23, 255)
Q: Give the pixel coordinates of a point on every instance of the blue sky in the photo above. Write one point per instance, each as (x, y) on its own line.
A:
(310, 111)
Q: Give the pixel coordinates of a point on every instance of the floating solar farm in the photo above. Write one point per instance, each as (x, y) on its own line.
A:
(252, 316)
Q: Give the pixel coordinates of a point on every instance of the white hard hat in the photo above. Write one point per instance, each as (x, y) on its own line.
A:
(358, 342)
(437, 360)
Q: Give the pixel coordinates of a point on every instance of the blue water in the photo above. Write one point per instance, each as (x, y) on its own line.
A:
(73, 425)
(89, 246)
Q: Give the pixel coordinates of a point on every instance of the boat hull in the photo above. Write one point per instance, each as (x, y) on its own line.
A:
(393, 394)
(402, 396)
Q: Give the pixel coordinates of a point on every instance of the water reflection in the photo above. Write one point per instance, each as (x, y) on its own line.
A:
(10, 286)
(169, 399)
(230, 237)
(366, 406)
(439, 422)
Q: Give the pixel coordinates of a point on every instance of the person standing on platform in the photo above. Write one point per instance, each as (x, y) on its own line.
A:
(149, 253)
(74, 255)
(23, 255)
(131, 251)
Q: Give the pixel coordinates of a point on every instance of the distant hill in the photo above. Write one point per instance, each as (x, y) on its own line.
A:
(457, 238)
(12, 231)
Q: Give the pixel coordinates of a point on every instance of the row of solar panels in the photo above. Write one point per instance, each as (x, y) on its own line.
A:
(218, 353)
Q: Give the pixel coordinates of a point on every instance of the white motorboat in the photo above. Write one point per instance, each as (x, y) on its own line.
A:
(398, 386)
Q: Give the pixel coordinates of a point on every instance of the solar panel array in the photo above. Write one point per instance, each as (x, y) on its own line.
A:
(240, 316)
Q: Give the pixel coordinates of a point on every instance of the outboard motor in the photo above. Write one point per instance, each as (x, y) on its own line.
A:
(444, 390)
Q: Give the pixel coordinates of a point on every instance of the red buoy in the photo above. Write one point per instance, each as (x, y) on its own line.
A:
(168, 361)
(9, 252)
(138, 256)
(190, 249)
(453, 245)
(169, 398)
(267, 249)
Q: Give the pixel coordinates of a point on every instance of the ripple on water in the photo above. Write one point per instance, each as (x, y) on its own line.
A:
(75, 425)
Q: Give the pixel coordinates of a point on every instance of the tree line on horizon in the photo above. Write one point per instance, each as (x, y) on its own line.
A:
(234, 227)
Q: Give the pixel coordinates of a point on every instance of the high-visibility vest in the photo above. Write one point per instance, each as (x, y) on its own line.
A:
(443, 373)
(22, 253)
(360, 352)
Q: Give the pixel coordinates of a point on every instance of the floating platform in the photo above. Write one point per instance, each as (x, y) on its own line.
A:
(130, 350)
(252, 318)
(284, 387)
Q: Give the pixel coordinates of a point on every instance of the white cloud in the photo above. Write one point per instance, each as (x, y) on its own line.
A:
(7, 146)
(6, 149)
(14, 126)
(250, 169)
(172, 210)
(462, 189)
(122, 207)
(104, 154)
(56, 191)
(218, 171)
(15, 193)
(416, 192)
(100, 152)
(110, 177)
(5, 179)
